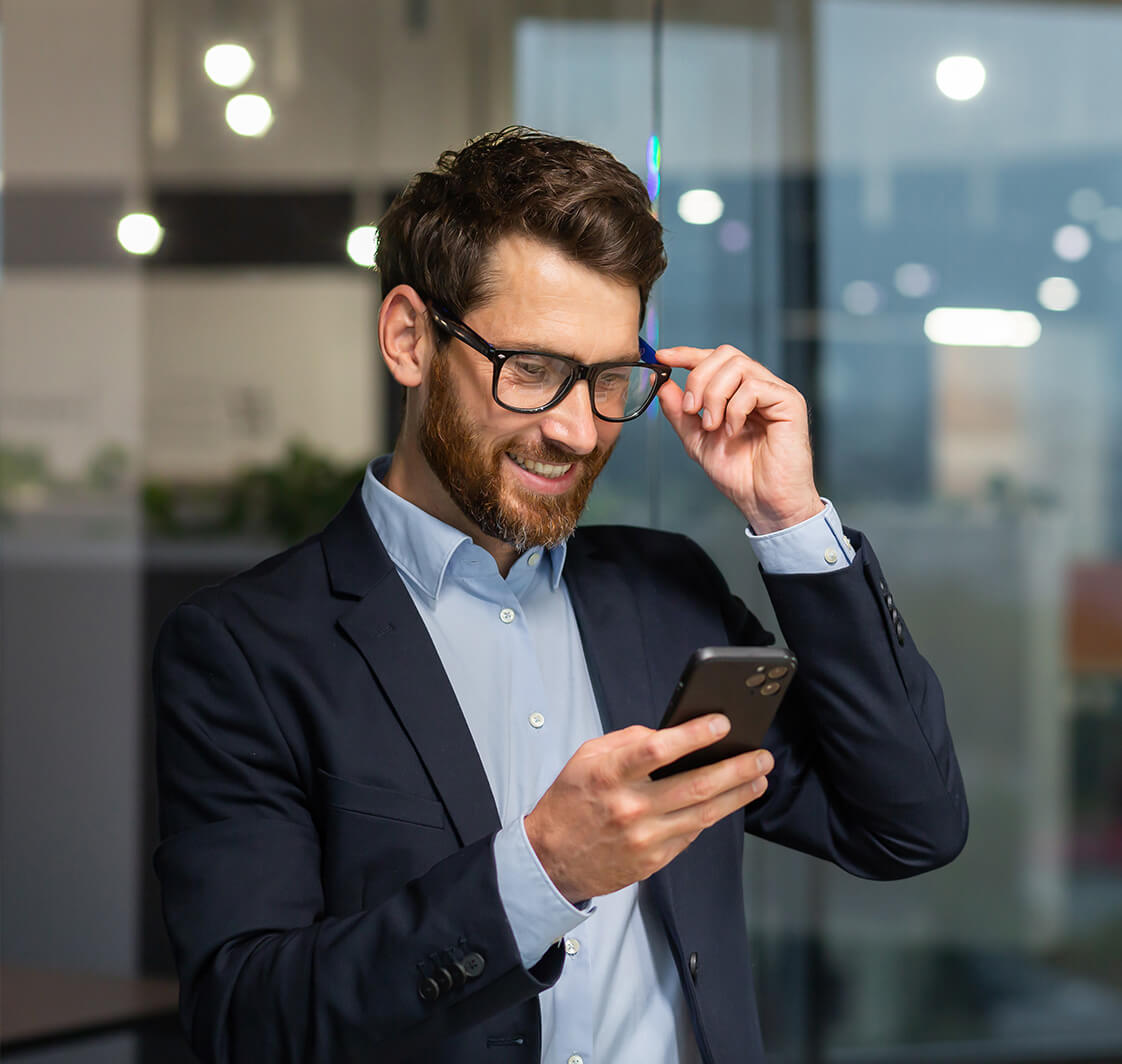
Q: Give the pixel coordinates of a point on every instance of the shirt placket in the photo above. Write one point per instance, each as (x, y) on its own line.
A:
(559, 732)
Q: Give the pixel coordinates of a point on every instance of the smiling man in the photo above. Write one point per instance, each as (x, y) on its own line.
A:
(405, 767)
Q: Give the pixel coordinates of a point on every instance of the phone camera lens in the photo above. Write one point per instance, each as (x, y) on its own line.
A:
(755, 679)
(769, 688)
(776, 672)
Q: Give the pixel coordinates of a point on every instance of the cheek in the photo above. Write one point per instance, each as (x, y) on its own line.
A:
(464, 383)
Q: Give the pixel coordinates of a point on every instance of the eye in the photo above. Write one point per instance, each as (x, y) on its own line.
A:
(528, 368)
(616, 379)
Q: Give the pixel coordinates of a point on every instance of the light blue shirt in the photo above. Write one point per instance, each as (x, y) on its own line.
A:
(513, 654)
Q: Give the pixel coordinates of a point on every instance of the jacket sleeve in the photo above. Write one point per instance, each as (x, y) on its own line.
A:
(264, 974)
(865, 771)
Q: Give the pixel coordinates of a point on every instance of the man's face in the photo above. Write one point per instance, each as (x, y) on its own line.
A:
(524, 479)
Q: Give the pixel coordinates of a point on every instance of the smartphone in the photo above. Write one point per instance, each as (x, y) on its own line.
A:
(747, 684)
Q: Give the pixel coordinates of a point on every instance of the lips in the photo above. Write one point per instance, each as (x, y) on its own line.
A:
(542, 469)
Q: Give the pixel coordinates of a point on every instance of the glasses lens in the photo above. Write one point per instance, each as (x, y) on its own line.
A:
(622, 391)
(529, 382)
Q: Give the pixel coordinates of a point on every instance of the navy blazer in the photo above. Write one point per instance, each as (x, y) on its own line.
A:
(326, 822)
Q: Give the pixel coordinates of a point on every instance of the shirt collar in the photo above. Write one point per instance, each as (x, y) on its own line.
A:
(422, 546)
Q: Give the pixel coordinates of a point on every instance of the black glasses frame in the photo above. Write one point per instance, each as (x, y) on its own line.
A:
(578, 371)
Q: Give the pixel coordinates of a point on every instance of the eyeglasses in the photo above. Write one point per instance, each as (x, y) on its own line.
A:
(529, 382)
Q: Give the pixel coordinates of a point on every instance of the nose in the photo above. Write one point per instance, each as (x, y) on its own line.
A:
(571, 422)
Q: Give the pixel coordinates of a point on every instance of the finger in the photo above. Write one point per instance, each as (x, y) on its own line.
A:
(738, 409)
(613, 741)
(690, 822)
(702, 374)
(728, 378)
(683, 357)
(689, 357)
(700, 786)
(772, 401)
(639, 758)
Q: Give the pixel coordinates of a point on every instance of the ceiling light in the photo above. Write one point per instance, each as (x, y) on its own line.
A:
(1057, 293)
(1109, 224)
(228, 65)
(1084, 204)
(981, 327)
(700, 206)
(861, 297)
(960, 77)
(362, 245)
(734, 236)
(249, 115)
(1071, 242)
(139, 234)
(914, 280)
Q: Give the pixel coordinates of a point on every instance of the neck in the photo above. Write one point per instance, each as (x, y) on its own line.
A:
(411, 477)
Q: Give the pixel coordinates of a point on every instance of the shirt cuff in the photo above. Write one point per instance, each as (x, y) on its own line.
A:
(538, 913)
(816, 545)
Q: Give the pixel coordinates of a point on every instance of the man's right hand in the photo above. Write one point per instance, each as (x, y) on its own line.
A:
(604, 824)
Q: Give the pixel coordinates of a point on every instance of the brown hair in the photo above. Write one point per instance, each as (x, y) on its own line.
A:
(439, 231)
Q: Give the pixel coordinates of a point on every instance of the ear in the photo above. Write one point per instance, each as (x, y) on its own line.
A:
(404, 335)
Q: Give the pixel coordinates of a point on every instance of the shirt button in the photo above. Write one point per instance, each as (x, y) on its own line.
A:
(831, 555)
(536, 720)
(572, 946)
(576, 1058)
(533, 559)
(506, 615)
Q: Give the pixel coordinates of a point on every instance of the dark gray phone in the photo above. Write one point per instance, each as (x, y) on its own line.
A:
(745, 683)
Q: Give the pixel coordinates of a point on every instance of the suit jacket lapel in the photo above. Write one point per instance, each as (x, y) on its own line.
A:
(384, 626)
(611, 632)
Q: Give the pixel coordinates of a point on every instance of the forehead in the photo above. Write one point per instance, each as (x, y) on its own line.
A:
(539, 295)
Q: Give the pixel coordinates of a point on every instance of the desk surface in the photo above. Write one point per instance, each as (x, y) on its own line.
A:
(42, 1006)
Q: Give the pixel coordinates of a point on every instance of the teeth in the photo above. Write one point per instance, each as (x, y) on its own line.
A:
(543, 470)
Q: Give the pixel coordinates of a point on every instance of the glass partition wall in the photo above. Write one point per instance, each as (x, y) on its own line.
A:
(911, 210)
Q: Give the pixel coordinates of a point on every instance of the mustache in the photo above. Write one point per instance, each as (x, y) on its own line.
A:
(552, 455)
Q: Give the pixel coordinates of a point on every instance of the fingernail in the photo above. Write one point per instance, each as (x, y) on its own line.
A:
(728, 428)
(719, 725)
(757, 785)
(687, 402)
(706, 418)
(763, 763)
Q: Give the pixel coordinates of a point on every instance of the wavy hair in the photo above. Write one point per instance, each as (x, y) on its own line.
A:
(438, 233)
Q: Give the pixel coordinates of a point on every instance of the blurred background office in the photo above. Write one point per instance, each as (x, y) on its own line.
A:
(910, 209)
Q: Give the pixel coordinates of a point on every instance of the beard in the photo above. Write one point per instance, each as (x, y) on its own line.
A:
(471, 472)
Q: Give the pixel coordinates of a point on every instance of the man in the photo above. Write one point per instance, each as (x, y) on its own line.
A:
(405, 791)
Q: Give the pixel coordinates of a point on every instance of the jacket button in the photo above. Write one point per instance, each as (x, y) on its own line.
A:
(693, 967)
(900, 632)
(444, 979)
(428, 989)
(473, 965)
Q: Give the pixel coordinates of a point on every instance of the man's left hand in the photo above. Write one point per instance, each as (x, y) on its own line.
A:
(747, 429)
